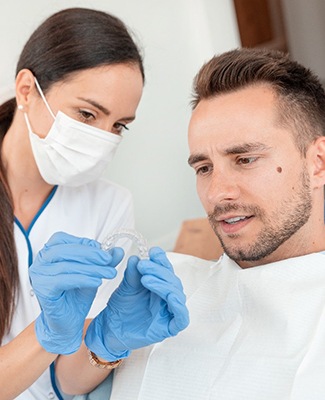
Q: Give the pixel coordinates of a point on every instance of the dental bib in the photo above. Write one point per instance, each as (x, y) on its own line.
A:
(256, 333)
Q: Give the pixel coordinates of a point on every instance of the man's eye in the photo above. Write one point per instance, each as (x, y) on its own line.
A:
(246, 160)
(203, 170)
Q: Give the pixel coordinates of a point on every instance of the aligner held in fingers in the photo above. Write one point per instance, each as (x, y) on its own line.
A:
(141, 243)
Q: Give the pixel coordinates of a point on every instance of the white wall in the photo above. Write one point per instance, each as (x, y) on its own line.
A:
(177, 37)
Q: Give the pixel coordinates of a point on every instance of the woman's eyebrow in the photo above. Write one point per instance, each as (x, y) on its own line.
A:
(95, 104)
(104, 109)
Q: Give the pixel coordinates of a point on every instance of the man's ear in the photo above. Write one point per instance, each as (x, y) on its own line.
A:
(317, 154)
(25, 87)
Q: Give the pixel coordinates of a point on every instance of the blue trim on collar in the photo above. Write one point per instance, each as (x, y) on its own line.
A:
(46, 202)
(27, 232)
(29, 246)
(53, 381)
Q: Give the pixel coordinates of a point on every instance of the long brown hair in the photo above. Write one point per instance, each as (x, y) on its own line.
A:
(70, 40)
(8, 255)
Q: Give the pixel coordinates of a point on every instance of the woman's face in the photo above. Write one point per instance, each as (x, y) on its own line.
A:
(105, 97)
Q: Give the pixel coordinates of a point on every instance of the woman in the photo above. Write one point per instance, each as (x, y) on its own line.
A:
(79, 80)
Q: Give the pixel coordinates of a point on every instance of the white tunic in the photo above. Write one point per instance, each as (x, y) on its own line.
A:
(254, 334)
(93, 211)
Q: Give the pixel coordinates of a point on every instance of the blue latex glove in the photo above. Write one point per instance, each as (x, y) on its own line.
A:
(147, 307)
(65, 277)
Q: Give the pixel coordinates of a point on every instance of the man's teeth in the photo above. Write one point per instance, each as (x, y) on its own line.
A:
(234, 220)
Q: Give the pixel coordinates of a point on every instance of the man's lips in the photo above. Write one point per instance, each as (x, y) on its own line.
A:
(233, 219)
(232, 224)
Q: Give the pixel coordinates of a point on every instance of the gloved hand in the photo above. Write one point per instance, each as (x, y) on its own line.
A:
(65, 276)
(147, 307)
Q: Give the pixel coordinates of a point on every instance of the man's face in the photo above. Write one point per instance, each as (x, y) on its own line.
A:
(251, 178)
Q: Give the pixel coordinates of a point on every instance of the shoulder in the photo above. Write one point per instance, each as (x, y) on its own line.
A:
(99, 191)
(102, 186)
(181, 261)
(192, 271)
(94, 210)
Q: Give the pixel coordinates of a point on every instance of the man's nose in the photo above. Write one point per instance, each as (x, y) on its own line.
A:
(222, 188)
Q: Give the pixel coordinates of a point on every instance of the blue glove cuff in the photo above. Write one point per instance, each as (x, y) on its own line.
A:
(95, 342)
(53, 343)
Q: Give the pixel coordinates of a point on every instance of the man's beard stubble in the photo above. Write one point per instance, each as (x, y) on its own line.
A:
(284, 222)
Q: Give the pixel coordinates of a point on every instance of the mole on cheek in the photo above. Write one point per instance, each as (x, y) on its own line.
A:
(279, 169)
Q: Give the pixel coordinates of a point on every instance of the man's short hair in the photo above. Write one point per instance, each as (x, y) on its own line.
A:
(301, 95)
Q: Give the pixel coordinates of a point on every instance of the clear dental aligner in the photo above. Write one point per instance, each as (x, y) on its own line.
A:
(110, 241)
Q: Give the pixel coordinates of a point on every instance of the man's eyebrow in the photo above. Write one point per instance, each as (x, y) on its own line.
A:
(236, 149)
(195, 158)
(104, 109)
(246, 148)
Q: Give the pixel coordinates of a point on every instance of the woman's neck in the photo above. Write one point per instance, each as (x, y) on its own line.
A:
(28, 189)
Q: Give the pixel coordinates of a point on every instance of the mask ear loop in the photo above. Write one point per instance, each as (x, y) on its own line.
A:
(43, 97)
(27, 123)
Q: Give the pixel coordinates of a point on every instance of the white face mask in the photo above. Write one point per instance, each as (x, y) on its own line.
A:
(73, 153)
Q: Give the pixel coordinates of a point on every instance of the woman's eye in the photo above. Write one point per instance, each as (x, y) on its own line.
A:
(86, 116)
(119, 128)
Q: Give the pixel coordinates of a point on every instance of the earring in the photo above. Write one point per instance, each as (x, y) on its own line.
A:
(20, 107)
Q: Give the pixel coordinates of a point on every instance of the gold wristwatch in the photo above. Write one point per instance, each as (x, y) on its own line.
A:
(94, 360)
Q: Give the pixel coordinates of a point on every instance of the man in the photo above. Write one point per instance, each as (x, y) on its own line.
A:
(257, 329)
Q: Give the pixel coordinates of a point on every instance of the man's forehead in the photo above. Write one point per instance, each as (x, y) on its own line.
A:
(251, 96)
(249, 115)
